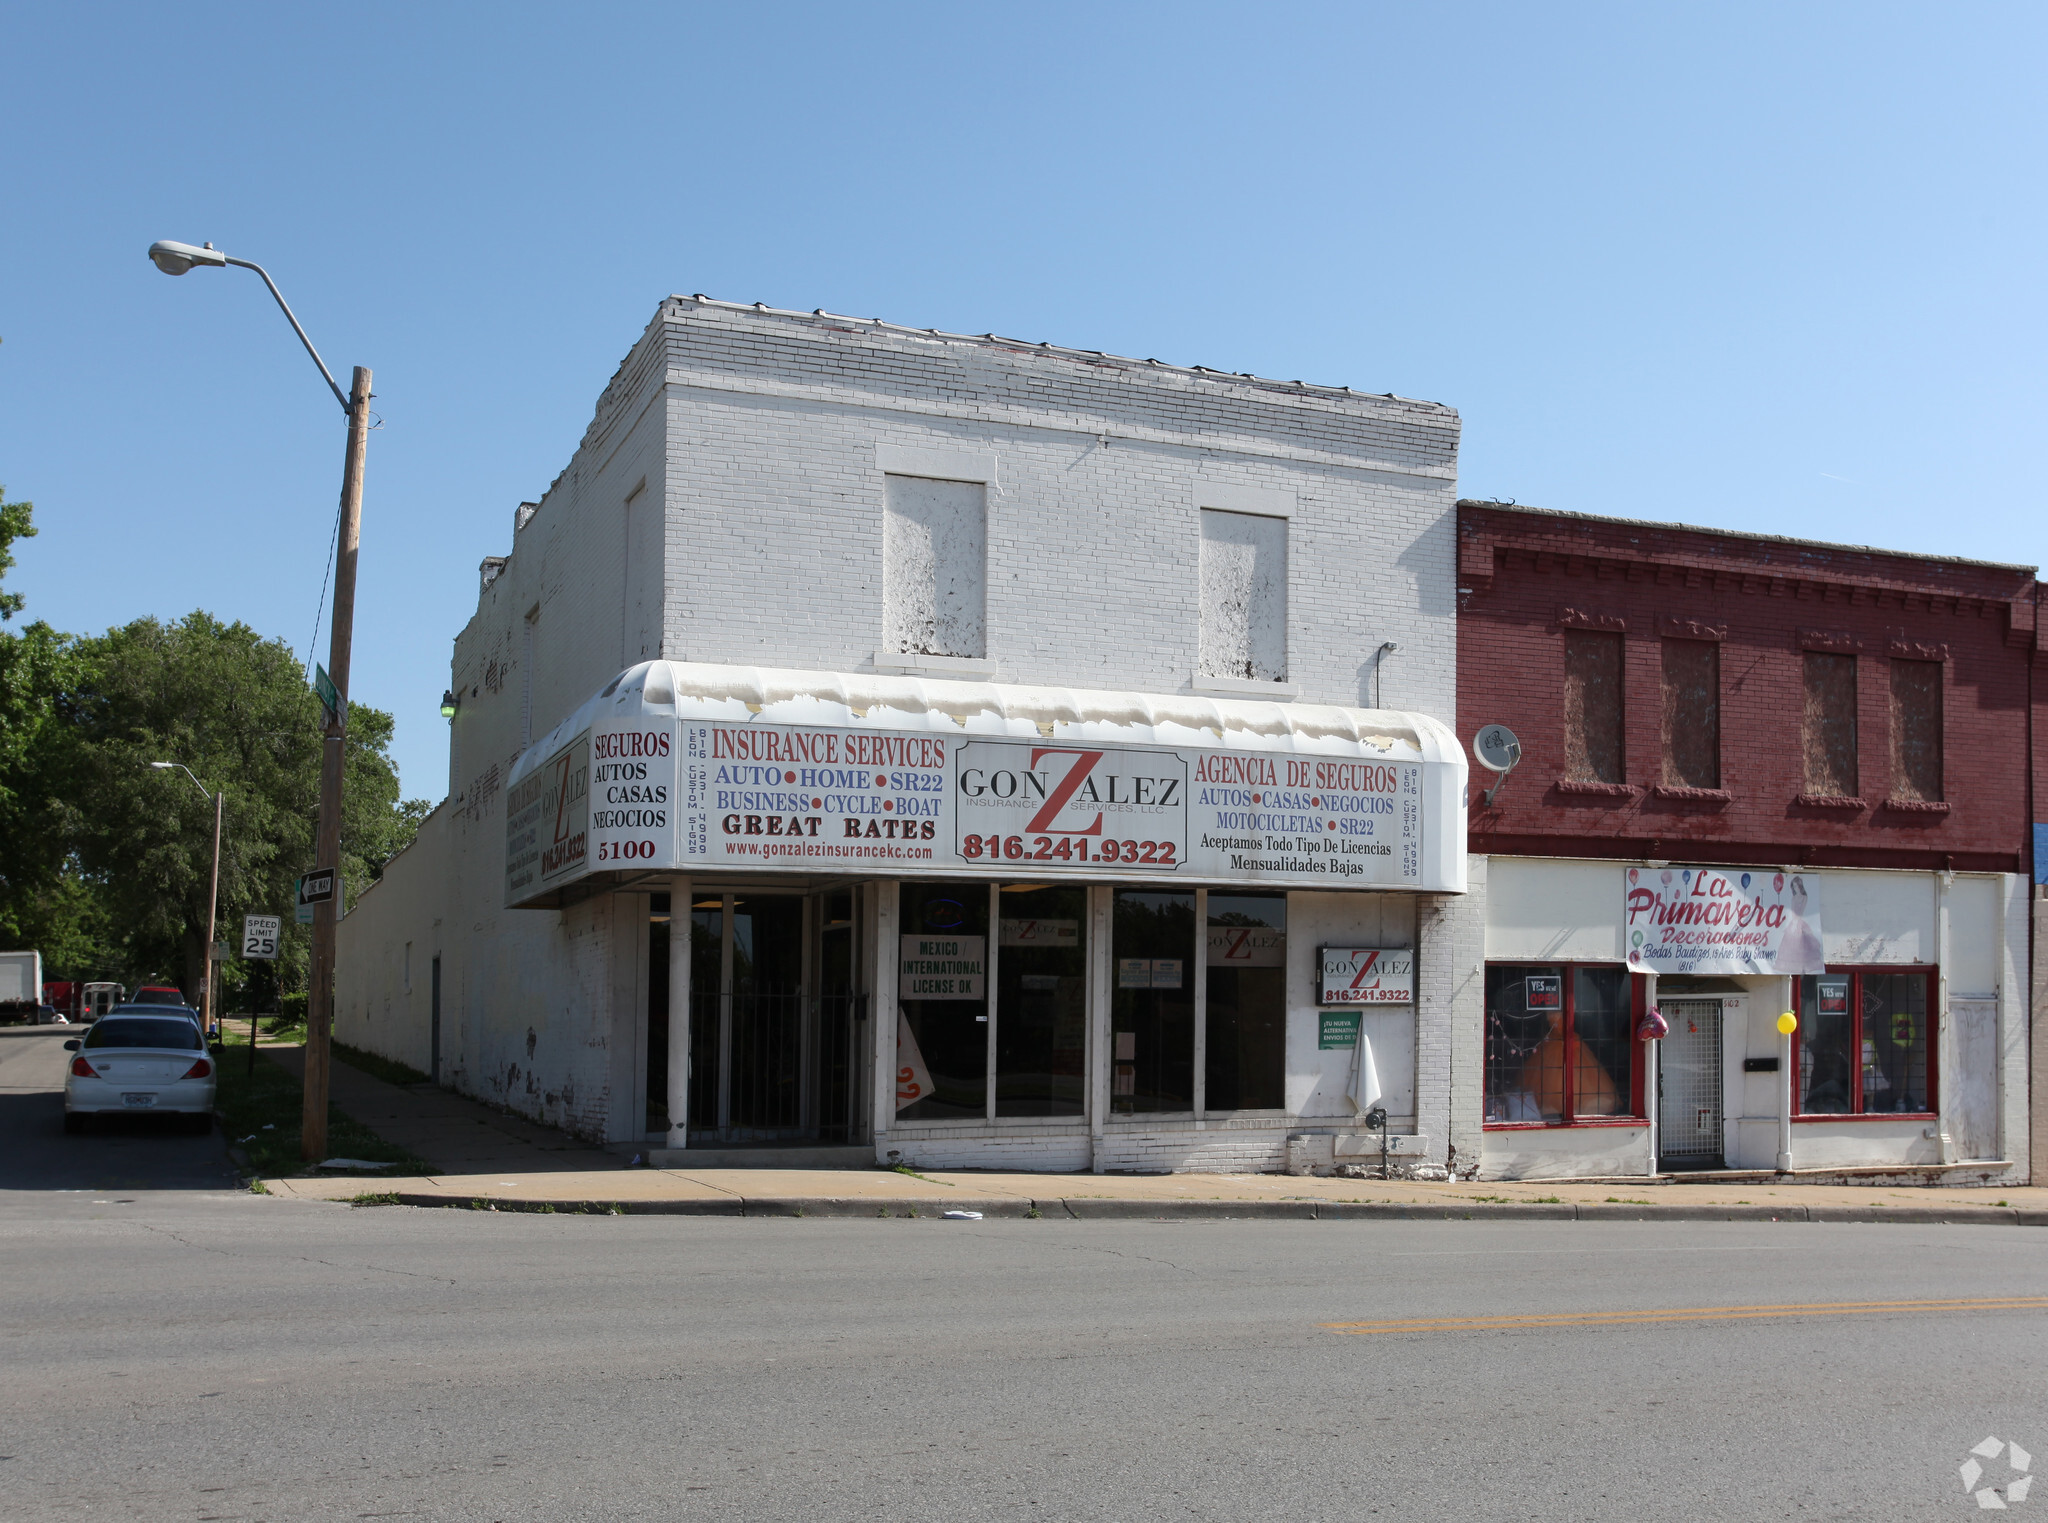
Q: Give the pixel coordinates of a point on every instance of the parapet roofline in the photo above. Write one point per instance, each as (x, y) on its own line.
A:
(820, 316)
(1739, 534)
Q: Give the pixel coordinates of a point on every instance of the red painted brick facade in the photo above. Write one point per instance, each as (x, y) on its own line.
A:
(1525, 576)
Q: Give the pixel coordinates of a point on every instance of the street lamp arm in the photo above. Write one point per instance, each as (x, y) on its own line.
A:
(204, 791)
(285, 307)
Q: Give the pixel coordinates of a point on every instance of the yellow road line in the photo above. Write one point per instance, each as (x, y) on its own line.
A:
(1686, 1314)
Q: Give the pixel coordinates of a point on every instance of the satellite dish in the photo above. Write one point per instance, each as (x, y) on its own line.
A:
(1497, 748)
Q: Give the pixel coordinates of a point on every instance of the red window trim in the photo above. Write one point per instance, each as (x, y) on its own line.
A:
(1856, 972)
(1638, 986)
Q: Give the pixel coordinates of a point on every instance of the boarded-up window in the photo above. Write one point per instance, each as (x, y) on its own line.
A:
(1828, 726)
(1692, 714)
(1916, 730)
(934, 567)
(1592, 707)
(1244, 596)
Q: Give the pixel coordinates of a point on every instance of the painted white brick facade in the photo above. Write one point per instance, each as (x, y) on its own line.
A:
(727, 504)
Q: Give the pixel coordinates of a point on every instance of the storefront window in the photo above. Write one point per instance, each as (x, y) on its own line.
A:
(1041, 1000)
(1604, 1050)
(1246, 1067)
(1862, 1043)
(1559, 1043)
(951, 1032)
(1152, 1021)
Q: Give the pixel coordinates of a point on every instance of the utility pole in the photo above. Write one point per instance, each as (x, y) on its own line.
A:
(327, 852)
(175, 258)
(212, 916)
(213, 896)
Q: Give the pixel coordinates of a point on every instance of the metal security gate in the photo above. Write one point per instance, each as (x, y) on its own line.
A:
(1689, 1086)
(773, 1020)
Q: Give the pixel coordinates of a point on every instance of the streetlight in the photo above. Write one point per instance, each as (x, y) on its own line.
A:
(176, 259)
(213, 899)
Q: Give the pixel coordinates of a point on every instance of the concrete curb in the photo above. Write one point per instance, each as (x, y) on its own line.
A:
(1098, 1208)
(874, 1206)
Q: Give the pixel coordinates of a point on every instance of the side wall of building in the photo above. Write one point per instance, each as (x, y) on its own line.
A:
(540, 1006)
(386, 946)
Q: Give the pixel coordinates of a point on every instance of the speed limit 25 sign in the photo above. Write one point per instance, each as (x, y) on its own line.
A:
(259, 935)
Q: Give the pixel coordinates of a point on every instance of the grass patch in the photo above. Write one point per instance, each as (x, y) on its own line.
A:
(390, 1070)
(904, 1168)
(1616, 1200)
(371, 1198)
(261, 1112)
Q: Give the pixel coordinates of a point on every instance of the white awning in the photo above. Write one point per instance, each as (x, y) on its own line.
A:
(1270, 802)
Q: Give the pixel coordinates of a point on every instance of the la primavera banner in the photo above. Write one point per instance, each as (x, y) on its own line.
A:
(1714, 920)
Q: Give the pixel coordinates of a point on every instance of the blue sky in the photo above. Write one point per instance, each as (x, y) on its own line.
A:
(1768, 267)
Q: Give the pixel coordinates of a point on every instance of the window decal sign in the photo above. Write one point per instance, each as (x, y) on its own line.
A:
(1247, 946)
(1722, 921)
(943, 967)
(1039, 933)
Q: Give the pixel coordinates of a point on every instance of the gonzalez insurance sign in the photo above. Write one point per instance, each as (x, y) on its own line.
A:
(657, 792)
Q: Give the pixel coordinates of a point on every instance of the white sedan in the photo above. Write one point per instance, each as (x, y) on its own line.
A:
(140, 1065)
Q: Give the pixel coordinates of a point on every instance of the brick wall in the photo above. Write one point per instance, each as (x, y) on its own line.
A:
(775, 503)
(726, 504)
(1526, 577)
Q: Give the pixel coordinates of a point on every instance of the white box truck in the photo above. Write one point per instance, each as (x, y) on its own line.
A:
(21, 984)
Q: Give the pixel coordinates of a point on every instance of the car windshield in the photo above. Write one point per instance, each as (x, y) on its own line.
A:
(145, 1031)
(157, 997)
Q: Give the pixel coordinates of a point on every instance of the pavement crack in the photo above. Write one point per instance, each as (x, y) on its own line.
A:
(303, 1258)
(1143, 1258)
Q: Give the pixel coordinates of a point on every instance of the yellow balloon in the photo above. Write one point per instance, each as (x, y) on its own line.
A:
(1788, 1023)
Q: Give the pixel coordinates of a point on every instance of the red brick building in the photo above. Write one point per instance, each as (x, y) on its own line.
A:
(1852, 724)
(1873, 708)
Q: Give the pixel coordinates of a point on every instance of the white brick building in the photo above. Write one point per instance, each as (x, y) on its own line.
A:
(1029, 609)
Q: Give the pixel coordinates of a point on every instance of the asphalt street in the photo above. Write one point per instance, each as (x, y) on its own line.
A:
(198, 1353)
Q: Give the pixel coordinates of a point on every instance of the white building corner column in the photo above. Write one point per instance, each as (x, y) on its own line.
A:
(1101, 990)
(1652, 1087)
(1450, 1018)
(2015, 1030)
(2032, 1031)
(679, 940)
(887, 944)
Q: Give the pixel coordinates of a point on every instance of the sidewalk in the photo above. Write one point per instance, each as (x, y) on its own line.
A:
(502, 1162)
(771, 1192)
(448, 1131)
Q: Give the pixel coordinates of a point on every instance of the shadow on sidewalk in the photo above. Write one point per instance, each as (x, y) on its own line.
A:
(455, 1135)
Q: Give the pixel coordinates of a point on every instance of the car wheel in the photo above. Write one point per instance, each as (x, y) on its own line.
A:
(74, 1122)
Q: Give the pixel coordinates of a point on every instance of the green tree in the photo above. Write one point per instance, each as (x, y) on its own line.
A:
(39, 907)
(235, 708)
(104, 860)
(17, 521)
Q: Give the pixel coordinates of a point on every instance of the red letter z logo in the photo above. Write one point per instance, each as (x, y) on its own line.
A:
(1064, 789)
(1365, 968)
